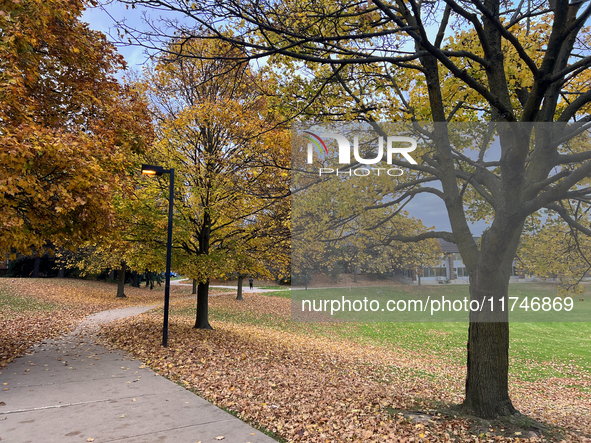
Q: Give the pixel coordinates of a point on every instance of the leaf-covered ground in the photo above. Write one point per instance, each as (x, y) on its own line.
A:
(304, 383)
(34, 310)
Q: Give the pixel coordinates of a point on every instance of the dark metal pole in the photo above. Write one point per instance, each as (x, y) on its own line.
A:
(168, 258)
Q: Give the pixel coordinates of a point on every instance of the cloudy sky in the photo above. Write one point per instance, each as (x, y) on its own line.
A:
(431, 210)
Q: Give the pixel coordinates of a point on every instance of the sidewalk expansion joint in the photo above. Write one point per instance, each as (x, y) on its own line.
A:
(17, 411)
(68, 382)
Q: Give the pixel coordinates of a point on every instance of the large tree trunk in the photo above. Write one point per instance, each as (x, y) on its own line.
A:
(240, 281)
(487, 389)
(487, 384)
(202, 320)
(121, 281)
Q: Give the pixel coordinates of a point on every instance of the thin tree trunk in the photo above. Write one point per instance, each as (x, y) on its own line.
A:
(194, 287)
(61, 272)
(240, 281)
(121, 281)
(202, 315)
(202, 320)
(36, 266)
(135, 279)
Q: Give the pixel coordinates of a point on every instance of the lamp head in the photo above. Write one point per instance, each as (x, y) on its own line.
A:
(152, 170)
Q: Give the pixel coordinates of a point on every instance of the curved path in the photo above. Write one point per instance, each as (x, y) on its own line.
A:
(75, 390)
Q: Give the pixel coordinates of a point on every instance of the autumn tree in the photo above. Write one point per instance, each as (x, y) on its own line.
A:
(68, 127)
(502, 62)
(91, 259)
(552, 249)
(122, 251)
(266, 253)
(334, 226)
(216, 128)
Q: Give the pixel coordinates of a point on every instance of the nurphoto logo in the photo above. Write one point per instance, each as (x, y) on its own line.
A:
(392, 147)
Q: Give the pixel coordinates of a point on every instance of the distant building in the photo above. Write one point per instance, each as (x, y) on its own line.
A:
(451, 266)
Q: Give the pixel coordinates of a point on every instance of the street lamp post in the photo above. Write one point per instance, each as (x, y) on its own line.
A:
(159, 170)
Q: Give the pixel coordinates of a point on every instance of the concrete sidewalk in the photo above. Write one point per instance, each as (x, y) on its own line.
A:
(74, 390)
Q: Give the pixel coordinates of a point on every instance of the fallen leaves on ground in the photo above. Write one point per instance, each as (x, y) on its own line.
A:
(34, 310)
(316, 389)
(301, 385)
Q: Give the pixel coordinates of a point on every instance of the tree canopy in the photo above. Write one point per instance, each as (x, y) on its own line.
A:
(68, 127)
(216, 128)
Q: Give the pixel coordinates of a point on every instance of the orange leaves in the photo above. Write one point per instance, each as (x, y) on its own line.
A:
(20, 331)
(302, 383)
(33, 310)
(310, 387)
(68, 127)
(298, 387)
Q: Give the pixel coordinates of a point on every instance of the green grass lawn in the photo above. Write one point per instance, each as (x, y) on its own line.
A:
(552, 346)
(282, 293)
(11, 301)
(537, 349)
(270, 287)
